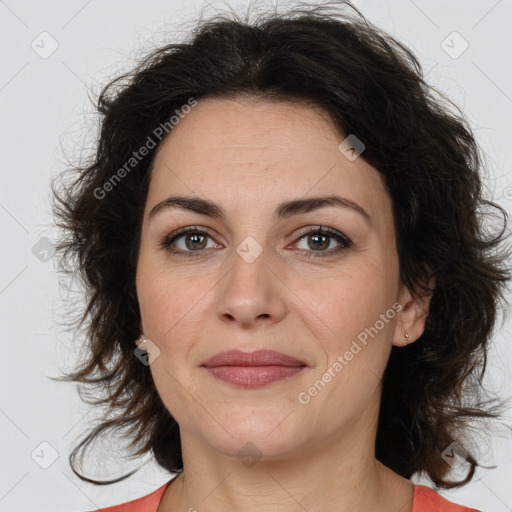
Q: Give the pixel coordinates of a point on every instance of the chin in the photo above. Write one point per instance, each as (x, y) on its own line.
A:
(257, 439)
(249, 449)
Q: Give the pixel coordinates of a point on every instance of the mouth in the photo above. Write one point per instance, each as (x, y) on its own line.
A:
(253, 369)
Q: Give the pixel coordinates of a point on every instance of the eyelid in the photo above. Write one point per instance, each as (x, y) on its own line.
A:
(321, 229)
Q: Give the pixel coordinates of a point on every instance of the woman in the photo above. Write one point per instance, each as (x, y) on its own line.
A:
(291, 292)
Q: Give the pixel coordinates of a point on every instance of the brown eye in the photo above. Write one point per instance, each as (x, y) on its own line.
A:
(186, 242)
(320, 239)
(194, 241)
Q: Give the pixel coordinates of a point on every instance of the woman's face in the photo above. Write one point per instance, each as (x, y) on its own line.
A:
(254, 278)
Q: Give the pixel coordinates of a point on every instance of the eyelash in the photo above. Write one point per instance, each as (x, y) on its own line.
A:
(345, 242)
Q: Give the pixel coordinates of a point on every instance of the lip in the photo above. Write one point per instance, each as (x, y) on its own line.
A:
(255, 358)
(253, 369)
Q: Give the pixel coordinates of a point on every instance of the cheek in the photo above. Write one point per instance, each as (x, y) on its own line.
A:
(350, 306)
(356, 343)
(167, 300)
(172, 309)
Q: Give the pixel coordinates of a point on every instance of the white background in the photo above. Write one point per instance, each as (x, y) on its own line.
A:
(45, 115)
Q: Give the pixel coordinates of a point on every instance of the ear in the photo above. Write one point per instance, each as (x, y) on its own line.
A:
(413, 315)
(138, 341)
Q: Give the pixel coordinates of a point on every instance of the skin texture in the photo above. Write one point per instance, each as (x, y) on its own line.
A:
(248, 156)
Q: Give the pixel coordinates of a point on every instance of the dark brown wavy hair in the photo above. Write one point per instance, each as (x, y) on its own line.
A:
(372, 86)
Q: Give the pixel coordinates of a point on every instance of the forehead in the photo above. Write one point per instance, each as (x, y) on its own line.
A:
(243, 150)
(247, 128)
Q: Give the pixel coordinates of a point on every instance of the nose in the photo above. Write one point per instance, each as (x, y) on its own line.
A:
(252, 293)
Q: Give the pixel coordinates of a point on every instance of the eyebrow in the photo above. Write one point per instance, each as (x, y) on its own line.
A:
(283, 211)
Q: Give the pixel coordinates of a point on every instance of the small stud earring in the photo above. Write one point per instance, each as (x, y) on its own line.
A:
(142, 339)
(406, 338)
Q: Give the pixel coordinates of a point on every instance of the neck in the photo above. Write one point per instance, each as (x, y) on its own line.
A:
(332, 478)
